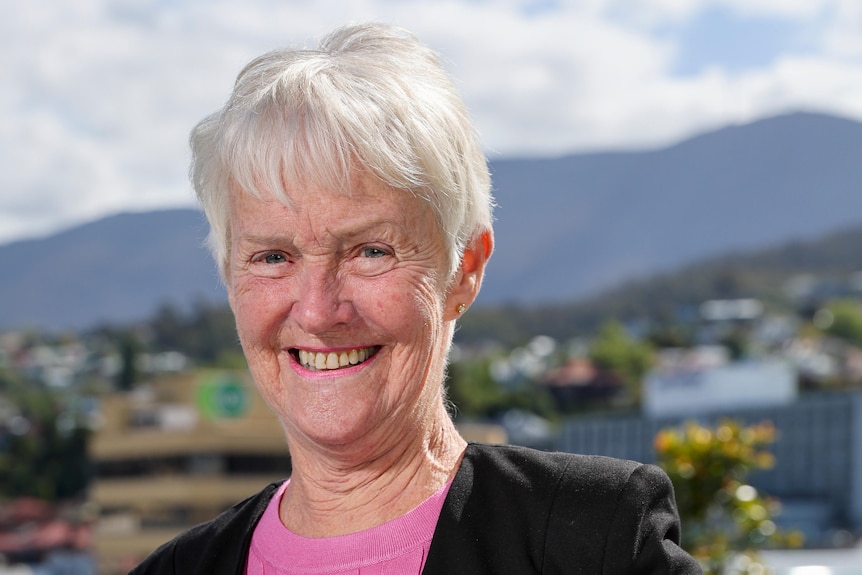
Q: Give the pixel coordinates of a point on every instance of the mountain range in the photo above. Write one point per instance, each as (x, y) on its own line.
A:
(566, 228)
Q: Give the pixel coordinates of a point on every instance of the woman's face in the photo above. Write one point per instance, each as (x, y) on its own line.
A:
(341, 307)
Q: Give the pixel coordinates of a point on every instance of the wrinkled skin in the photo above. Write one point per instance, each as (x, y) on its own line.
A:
(336, 272)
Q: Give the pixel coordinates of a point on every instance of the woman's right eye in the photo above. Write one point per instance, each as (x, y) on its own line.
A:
(270, 264)
(269, 258)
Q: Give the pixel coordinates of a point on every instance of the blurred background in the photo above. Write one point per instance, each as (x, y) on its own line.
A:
(677, 279)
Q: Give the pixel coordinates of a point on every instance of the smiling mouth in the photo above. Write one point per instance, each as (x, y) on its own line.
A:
(330, 360)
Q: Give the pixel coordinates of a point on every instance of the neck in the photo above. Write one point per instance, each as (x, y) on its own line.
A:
(346, 490)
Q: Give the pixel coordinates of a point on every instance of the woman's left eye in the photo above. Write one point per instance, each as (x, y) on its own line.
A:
(370, 252)
(274, 258)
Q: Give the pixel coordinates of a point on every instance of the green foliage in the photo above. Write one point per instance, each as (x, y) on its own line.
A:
(615, 351)
(723, 517)
(845, 320)
(472, 389)
(475, 394)
(129, 349)
(669, 334)
(736, 343)
(508, 325)
(207, 333)
(38, 458)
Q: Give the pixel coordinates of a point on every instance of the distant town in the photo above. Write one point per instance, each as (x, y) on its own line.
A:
(116, 438)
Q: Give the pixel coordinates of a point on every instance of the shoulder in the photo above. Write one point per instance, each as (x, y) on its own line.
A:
(518, 510)
(217, 546)
(525, 466)
(589, 489)
(549, 486)
(512, 494)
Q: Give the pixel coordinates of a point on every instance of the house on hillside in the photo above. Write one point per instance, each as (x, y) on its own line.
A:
(577, 385)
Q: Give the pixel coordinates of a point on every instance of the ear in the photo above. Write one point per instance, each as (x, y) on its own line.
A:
(468, 278)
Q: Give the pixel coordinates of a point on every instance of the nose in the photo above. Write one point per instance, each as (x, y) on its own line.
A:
(319, 306)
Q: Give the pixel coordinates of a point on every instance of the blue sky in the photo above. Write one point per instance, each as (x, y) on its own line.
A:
(99, 95)
(718, 37)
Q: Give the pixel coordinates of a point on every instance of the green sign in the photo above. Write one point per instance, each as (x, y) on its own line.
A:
(222, 396)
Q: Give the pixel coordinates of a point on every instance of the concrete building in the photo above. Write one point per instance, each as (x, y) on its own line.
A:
(175, 453)
(685, 386)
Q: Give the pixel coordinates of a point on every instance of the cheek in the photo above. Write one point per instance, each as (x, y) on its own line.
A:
(256, 313)
(426, 318)
(431, 296)
(258, 331)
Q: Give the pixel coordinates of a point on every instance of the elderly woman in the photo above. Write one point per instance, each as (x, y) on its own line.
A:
(350, 210)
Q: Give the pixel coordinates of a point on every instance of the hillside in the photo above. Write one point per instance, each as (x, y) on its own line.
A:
(765, 274)
(117, 269)
(570, 227)
(567, 229)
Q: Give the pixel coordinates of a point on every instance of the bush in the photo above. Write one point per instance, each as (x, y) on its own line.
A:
(725, 520)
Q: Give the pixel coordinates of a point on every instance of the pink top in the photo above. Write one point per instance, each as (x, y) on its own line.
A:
(398, 547)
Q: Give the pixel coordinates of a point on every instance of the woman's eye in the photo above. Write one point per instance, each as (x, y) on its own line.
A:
(271, 264)
(274, 258)
(373, 253)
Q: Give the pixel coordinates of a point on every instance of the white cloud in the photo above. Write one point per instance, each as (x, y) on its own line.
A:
(100, 94)
(661, 12)
(794, 9)
(842, 39)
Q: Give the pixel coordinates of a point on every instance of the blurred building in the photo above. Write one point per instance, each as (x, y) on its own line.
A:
(33, 531)
(704, 380)
(177, 452)
(818, 451)
(579, 384)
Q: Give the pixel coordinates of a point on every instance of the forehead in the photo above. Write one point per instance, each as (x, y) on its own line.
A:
(365, 202)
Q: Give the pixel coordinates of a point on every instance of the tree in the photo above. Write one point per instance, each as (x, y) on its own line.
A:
(206, 333)
(615, 351)
(38, 457)
(475, 394)
(845, 321)
(129, 350)
(472, 390)
(724, 518)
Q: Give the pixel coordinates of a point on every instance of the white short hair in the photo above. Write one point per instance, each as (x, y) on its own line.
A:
(370, 97)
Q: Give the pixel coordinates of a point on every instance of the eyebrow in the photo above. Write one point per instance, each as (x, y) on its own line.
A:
(346, 232)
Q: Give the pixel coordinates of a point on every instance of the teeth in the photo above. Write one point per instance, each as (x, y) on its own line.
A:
(332, 360)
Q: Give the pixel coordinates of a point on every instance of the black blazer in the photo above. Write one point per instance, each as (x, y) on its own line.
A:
(510, 510)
